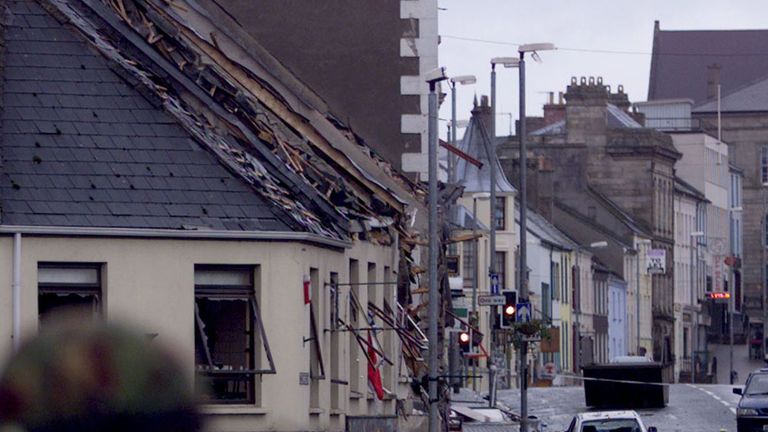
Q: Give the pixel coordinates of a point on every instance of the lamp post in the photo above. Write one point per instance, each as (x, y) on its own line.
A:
(433, 78)
(523, 281)
(491, 150)
(694, 316)
(463, 80)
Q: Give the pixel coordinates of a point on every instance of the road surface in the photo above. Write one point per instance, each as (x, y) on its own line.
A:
(694, 408)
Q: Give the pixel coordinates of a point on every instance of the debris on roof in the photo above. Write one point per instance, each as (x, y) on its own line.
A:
(304, 162)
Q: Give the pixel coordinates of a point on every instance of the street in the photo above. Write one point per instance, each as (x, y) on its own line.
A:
(691, 407)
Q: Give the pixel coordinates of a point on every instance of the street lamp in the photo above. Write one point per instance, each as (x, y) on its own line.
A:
(462, 80)
(433, 78)
(523, 282)
(507, 62)
(694, 294)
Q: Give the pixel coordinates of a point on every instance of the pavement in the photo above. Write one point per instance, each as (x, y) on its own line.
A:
(742, 364)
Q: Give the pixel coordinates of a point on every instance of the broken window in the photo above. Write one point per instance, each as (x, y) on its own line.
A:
(316, 366)
(65, 286)
(229, 335)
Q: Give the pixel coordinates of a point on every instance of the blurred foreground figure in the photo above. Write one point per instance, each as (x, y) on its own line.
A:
(94, 377)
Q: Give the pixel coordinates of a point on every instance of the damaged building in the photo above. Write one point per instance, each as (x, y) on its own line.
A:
(160, 167)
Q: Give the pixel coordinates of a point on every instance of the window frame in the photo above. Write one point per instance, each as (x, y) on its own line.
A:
(83, 289)
(763, 164)
(245, 293)
(500, 214)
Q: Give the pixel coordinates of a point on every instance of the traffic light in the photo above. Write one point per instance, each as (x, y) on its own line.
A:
(509, 310)
(464, 342)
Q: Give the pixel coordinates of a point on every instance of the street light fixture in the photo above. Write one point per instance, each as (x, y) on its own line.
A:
(507, 62)
(523, 282)
(461, 80)
(433, 78)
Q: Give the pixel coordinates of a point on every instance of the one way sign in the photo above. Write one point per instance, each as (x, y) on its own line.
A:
(523, 312)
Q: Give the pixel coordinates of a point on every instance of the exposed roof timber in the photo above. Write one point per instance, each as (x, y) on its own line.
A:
(278, 167)
(309, 122)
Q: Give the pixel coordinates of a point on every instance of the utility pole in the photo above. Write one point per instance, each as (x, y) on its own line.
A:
(434, 296)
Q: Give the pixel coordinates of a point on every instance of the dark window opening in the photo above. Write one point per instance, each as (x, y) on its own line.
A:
(64, 287)
(500, 218)
(229, 335)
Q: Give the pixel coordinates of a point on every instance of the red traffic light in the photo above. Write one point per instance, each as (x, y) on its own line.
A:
(719, 295)
(464, 337)
(509, 310)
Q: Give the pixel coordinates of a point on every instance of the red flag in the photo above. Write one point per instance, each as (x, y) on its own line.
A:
(374, 375)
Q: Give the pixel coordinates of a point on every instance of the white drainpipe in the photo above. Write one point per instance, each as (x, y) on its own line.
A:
(16, 288)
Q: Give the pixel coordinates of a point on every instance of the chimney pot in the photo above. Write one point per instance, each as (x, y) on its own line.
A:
(621, 88)
(583, 81)
(599, 80)
(591, 80)
(574, 80)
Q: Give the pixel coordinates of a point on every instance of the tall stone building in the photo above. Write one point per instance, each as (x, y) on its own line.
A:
(597, 152)
(695, 73)
(366, 58)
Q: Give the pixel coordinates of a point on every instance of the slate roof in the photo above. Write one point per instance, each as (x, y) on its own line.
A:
(468, 175)
(615, 118)
(680, 59)
(82, 148)
(749, 98)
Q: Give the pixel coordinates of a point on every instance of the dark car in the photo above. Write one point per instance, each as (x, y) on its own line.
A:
(752, 411)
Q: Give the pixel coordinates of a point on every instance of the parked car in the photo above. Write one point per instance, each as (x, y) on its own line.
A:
(608, 421)
(752, 411)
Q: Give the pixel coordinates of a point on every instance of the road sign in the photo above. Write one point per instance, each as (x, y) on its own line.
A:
(524, 312)
(495, 283)
(490, 300)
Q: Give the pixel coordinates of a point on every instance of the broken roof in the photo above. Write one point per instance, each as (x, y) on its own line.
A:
(215, 88)
(82, 148)
(681, 61)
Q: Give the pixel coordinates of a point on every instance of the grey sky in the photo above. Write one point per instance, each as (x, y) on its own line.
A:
(584, 30)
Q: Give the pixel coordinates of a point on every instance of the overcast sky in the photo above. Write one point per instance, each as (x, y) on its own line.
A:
(607, 38)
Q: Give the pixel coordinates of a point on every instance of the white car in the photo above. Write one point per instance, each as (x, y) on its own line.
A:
(608, 421)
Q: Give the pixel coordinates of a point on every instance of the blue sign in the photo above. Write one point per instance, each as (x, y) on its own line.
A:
(524, 312)
(494, 283)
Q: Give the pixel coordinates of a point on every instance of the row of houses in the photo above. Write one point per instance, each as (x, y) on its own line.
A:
(629, 232)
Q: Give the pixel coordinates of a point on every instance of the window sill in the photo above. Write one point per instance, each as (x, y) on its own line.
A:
(316, 411)
(232, 410)
(337, 412)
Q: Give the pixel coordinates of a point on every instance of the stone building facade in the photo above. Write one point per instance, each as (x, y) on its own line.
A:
(599, 150)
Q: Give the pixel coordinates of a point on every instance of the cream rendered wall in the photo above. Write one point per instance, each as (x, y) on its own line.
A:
(150, 283)
(566, 313)
(506, 241)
